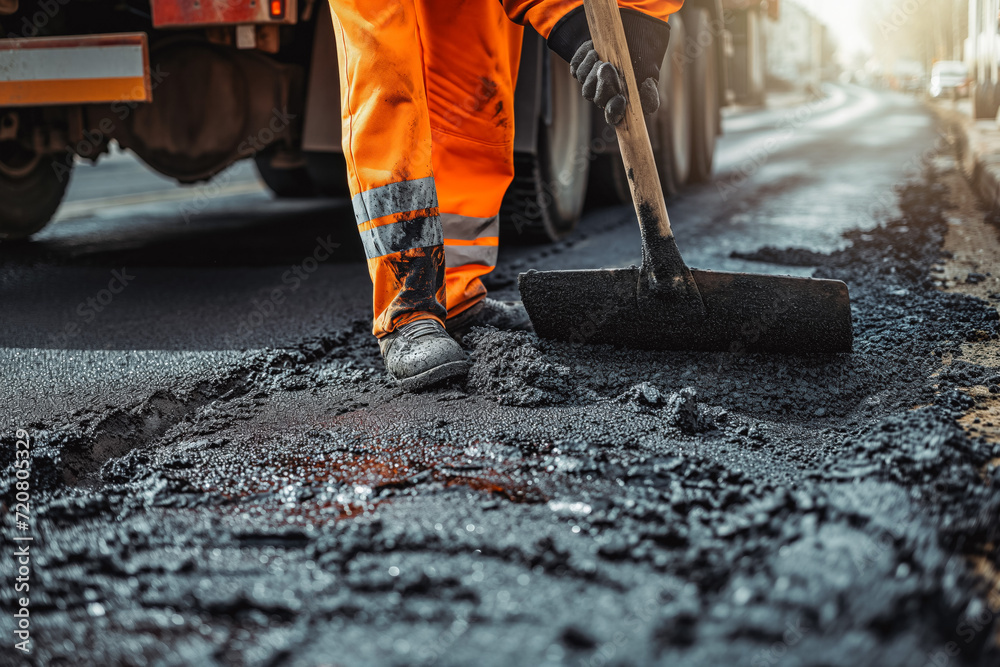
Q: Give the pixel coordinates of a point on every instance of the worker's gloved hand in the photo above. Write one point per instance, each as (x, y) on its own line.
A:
(647, 39)
(604, 86)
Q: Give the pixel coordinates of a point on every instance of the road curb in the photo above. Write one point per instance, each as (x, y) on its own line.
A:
(977, 143)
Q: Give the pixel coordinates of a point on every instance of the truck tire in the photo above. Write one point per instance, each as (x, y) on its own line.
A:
(284, 183)
(546, 197)
(30, 189)
(323, 175)
(673, 119)
(607, 184)
(704, 89)
(328, 173)
(669, 132)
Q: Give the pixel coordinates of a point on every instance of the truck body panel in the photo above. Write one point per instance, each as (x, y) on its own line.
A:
(87, 69)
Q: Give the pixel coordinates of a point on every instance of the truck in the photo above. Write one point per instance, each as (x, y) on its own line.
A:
(193, 86)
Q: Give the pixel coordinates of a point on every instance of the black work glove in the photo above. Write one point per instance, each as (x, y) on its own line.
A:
(602, 84)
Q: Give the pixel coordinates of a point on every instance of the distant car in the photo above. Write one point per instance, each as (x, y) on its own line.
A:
(949, 78)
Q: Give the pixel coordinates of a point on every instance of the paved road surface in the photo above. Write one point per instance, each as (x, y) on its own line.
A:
(221, 473)
(201, 256)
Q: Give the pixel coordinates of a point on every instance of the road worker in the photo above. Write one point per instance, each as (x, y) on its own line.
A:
(428, 124)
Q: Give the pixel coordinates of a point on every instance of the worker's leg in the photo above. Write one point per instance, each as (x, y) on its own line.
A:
(471, 57)
(387, 143)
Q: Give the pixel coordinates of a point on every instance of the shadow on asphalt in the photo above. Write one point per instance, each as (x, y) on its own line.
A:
(270, 235)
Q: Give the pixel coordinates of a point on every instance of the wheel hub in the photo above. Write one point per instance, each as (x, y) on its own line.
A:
(16, 161)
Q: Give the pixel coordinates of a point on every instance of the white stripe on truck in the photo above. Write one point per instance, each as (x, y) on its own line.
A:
(86, 62)
(76, 69)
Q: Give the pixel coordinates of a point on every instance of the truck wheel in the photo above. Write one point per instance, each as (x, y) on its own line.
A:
(284, 183)
(673, 119)
(30, 190)
(704, 88)
(607, 184)
(323, 175)
(546, 198)
(328, 173)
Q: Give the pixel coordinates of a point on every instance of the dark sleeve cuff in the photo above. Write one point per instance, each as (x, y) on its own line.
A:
(647, 39)
(569, 33)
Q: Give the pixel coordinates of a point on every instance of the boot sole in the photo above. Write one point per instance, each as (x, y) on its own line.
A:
(437, 375)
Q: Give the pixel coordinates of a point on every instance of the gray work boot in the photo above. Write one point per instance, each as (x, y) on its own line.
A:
(421, 354)
(505, 315)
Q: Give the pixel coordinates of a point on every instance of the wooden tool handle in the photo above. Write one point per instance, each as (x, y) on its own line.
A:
(609, 42)
(664, 273)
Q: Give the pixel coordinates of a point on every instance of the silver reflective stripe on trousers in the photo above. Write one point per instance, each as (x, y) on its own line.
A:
(464, 228)
(401, 197)
(460, 255)
(393, 199)
(400, 236)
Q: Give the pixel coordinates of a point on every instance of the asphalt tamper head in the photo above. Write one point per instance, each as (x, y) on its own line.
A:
(745, 312)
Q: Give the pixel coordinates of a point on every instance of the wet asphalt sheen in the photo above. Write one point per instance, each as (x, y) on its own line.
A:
(221, 473)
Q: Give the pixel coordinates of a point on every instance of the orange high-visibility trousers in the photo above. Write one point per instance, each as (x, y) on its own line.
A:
(427, 100)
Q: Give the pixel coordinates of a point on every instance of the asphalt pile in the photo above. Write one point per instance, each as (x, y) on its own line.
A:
(570, 504)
